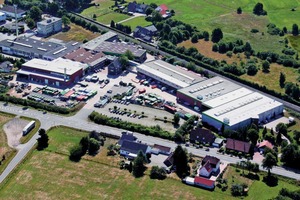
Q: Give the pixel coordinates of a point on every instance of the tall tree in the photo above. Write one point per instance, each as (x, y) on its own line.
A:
(282, 80)
(216, 35)
(176, 119)
(35, 13)
(269, 162)
(281, 128)
(138, 167)
(66, 21)
(181, 161)
(295, 30)
(266, 66)
(112, 24)
(129, 55)
(94, 146)
(239, 10)
(253, 136)
(42, 140)
(84, 142)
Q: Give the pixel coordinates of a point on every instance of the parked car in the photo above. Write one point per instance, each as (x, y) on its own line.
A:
(109, 91)
(163, 88)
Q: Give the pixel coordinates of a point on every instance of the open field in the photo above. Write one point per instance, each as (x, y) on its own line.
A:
(75, 33)
(49, 174)
(5, 150)
(137, 21)
(205, 48)
(104, 12)
(295, 42)
(271, 79)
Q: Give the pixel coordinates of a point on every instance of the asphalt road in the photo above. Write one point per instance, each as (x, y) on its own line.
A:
(80, 121)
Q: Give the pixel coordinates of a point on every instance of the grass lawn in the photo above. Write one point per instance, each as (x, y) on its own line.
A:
(5, 150)
(137, 21)
(75, 33)
(103, 12)
(49, 174)
(207, 15)
(295, 42)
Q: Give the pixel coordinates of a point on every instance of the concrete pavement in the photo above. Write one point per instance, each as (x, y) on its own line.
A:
(80, 121)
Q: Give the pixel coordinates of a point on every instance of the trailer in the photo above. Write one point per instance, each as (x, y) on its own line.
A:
(28, 127)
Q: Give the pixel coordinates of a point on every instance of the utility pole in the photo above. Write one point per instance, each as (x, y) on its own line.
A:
(16, 20)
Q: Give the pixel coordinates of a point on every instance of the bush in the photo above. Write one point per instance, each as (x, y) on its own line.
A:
(158, 173)
(76, 153)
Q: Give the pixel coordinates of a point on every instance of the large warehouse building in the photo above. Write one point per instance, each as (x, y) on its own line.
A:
(59, 72)
(173, 76)
(251, 108)
(201, 93)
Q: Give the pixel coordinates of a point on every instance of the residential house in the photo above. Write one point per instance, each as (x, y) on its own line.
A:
(6, 67)
(203, 136)
(238, 145)
(204, 183)
(264, 144)
(163, 10)
(210, 165)
(145, 33)
(10, 11)
(159, 149)
(126, 136)
(130, 149)
(170, 160)
(134, 7)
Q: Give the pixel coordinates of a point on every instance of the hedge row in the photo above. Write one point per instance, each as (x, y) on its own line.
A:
(231, 76)
(38, 105)
(99, 118)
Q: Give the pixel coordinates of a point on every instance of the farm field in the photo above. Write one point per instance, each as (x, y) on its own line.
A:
(137, 21)
(49, 174)
(75, 33)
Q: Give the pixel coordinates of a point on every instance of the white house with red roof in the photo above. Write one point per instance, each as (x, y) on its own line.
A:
(163, 10)
(210, 165)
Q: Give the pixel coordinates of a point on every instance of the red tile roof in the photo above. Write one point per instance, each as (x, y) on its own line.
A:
(266, 143)
(237, 145)
(203, 181)
(211, 159)
(162, 148)
(164, 7)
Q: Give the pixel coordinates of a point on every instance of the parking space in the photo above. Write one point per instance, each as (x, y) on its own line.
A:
(273, 124)
(158, 160)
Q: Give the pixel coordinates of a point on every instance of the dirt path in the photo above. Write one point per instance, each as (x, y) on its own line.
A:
(13, 130)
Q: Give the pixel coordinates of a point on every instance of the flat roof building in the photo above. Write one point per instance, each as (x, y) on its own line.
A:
(119, 48)
(173, 76)
(10, 11)
(49, 26)
(91, 58)
(93, 44)
(59, 72)
(32, 48)
(252, 108)
(203, 93)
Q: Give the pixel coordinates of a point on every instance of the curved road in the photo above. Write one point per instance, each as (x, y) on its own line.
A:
(80, 121)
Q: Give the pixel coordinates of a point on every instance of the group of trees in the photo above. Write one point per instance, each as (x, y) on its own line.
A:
(290, 155)
(249, 133)
(90, 144)
(90, 26)
(185, 129)
(181, 162)
(138, 167)
(259, 9)
(99, 118)
(286, 194)
(124, 28)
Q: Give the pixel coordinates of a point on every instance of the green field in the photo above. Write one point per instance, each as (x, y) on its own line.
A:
(137, 21)
(49, 174)
(104, 12)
